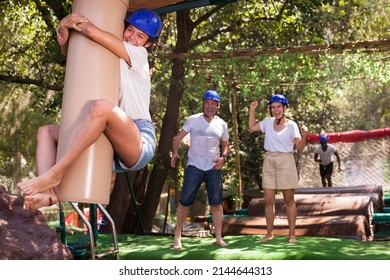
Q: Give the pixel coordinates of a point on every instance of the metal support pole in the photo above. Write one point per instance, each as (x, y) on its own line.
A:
(135, 204)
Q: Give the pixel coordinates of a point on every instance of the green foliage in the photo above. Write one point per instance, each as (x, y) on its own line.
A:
(325, 90)
(28, 57)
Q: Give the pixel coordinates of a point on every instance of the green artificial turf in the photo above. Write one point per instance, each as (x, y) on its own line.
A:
(244, 247)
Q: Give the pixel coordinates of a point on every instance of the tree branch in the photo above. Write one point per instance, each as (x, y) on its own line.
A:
(28, 81)
(57, 6)
(231, 27)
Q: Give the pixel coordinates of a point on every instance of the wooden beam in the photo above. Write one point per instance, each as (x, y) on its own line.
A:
(366, 46)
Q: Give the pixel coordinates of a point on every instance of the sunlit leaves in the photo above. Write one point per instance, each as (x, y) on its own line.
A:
(28, 53)
(325, 90)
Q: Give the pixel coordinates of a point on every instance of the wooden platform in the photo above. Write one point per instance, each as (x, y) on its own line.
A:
(327, 212)
(348, 226)
(319, 205)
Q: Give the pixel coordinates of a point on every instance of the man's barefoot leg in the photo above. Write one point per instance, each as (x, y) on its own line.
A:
(177, 243)
(39, 200)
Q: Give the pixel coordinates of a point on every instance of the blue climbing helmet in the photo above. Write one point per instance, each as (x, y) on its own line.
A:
(211, 94)
(147, 21)
(278, 98)
(323, 138)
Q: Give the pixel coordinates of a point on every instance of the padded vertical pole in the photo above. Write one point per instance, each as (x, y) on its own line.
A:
(92, 72)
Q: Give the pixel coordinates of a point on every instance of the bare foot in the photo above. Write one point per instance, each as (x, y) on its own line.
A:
(177, 244)
(221, 243)
(32, 202)
(292, 240)
(266, 238)
(39, 184)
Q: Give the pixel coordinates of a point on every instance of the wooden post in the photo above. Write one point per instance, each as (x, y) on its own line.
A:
(236, 147)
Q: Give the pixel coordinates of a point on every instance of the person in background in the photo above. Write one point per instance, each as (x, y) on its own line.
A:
(127, 125)
(205, 160)
(323, 154)
(279, 169)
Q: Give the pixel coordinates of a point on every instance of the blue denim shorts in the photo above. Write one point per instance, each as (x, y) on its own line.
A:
(148, 136)
(193, 178)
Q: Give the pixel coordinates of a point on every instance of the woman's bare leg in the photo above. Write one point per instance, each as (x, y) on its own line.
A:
(269, 198)
(105, 118)
(46, 150)
(46, 154)
(291, 208)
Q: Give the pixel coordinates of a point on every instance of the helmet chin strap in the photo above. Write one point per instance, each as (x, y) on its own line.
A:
(279, 120)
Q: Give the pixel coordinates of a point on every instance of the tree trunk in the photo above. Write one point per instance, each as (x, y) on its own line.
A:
(170, 122)
(121, 207)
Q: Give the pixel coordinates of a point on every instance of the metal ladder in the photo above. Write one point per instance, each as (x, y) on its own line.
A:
(91, 230)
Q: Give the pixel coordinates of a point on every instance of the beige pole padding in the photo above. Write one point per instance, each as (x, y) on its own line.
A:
(92, 73)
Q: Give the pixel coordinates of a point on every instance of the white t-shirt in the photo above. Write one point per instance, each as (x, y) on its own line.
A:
(281, 141)
(327, 156)
(205, 138)
(135, 87)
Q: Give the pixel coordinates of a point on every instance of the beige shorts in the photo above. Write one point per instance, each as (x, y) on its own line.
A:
(279, 171)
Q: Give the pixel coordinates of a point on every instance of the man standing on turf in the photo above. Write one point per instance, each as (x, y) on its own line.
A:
(208, 152)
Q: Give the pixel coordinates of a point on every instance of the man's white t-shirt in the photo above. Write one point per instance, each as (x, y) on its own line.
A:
(135, 86)
(327, 156)
(205, 138)
(279, 141)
